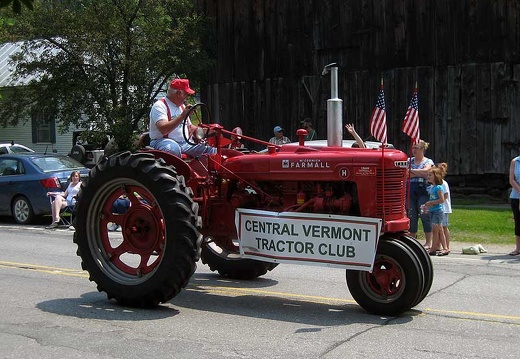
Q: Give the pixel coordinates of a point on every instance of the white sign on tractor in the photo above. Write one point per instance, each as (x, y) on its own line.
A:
(308, 238)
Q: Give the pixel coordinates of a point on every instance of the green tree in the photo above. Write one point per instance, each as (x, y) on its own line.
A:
(99, 64)
(17, 4)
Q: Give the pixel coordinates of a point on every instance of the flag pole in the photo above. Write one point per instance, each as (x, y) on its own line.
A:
(413, 134)
(379, 130)
(383, 167)
(409, 178)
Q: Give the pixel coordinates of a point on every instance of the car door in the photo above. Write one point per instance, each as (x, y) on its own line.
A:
(8, 182)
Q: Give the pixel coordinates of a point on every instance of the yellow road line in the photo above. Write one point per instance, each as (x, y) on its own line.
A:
(473, 314)
(236, 291)
(45, 269)
(242, 291)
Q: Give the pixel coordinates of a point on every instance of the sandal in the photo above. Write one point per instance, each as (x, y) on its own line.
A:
(443, 252)
(433, 252)
(514, 253)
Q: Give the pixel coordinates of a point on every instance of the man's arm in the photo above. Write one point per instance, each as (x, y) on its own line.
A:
(165, 126)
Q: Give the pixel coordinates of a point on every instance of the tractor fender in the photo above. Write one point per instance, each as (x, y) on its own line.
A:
(170, 159)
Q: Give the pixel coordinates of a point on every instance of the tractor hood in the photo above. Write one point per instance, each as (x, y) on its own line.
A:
(305, 163)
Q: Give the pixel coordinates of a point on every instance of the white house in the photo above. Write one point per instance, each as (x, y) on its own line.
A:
(40, 135)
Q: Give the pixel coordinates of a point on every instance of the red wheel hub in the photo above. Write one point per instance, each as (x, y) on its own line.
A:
(141, 248)
(386, 278)
(142, 230)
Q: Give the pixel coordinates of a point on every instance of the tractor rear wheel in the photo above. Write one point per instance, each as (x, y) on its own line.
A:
(155, 254)
(226, 260)
(395, 284)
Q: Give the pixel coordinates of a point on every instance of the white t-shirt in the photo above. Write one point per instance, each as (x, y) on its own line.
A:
(159, 112)
(446, 205)
(72, 192)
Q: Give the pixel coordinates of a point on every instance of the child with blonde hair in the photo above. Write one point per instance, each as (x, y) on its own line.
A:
(446, 206)
(434, 206)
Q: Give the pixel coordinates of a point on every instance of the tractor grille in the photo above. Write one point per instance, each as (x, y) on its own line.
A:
(393, 203)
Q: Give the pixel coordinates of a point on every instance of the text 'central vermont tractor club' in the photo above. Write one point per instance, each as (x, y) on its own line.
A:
(343, 241)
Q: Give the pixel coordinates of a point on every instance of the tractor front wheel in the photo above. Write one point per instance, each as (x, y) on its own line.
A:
(395, 284)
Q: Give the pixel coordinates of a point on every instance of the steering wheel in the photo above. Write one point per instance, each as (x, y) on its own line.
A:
(203, 134)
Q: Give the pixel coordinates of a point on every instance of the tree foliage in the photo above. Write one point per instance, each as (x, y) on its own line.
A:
(99, 64)
(16, 5)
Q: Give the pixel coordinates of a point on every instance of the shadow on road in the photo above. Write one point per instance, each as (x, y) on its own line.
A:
(95, 305)
(211, 293)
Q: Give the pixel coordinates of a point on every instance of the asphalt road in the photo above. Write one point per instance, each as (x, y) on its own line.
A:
(49, 309)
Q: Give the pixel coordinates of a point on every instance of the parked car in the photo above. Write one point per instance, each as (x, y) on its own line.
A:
(25, 179)
(13, 148)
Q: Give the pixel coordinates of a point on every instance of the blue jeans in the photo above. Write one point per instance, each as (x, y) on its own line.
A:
(197, 150)
(166, 144)
(418, 196)
(437, 217)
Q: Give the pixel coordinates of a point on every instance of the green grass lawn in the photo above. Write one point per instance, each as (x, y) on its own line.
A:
(480, 224)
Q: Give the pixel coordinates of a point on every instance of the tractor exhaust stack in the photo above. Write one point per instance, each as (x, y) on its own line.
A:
(334, 109)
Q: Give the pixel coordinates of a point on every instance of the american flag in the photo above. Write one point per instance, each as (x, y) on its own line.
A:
(411, 120)
(378, 118)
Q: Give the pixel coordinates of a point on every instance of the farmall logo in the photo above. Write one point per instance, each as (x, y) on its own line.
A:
(305, 164)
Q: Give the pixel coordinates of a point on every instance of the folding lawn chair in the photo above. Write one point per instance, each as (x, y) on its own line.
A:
(66, 215)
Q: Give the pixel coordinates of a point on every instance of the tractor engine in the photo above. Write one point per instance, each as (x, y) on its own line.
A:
(311, 197)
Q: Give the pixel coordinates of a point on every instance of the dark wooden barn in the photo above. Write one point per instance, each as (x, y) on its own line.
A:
(464, 56)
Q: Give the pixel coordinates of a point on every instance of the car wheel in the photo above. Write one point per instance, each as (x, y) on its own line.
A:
(22, 211)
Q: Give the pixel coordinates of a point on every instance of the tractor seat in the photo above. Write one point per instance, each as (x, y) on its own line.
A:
(143, 142)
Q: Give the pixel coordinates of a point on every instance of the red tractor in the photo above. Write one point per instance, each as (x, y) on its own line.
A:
(244, 213)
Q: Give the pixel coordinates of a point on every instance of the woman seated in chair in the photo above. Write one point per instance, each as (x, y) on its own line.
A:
(64, 199)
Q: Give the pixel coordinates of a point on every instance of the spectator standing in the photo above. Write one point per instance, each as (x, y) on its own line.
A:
(311, 132)
(279, 138)
(446, 205)
(419, 168)
(514, 180)
(435, 209)
(64, 199)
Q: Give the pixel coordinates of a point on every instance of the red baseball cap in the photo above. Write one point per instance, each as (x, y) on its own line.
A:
(182, 84)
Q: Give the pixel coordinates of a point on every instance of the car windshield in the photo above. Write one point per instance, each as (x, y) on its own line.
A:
(18, 149)
(47, 164)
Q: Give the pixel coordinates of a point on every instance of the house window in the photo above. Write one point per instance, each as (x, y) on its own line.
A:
(43, 127)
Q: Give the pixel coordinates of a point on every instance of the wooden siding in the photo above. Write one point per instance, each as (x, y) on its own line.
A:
(462, 54)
